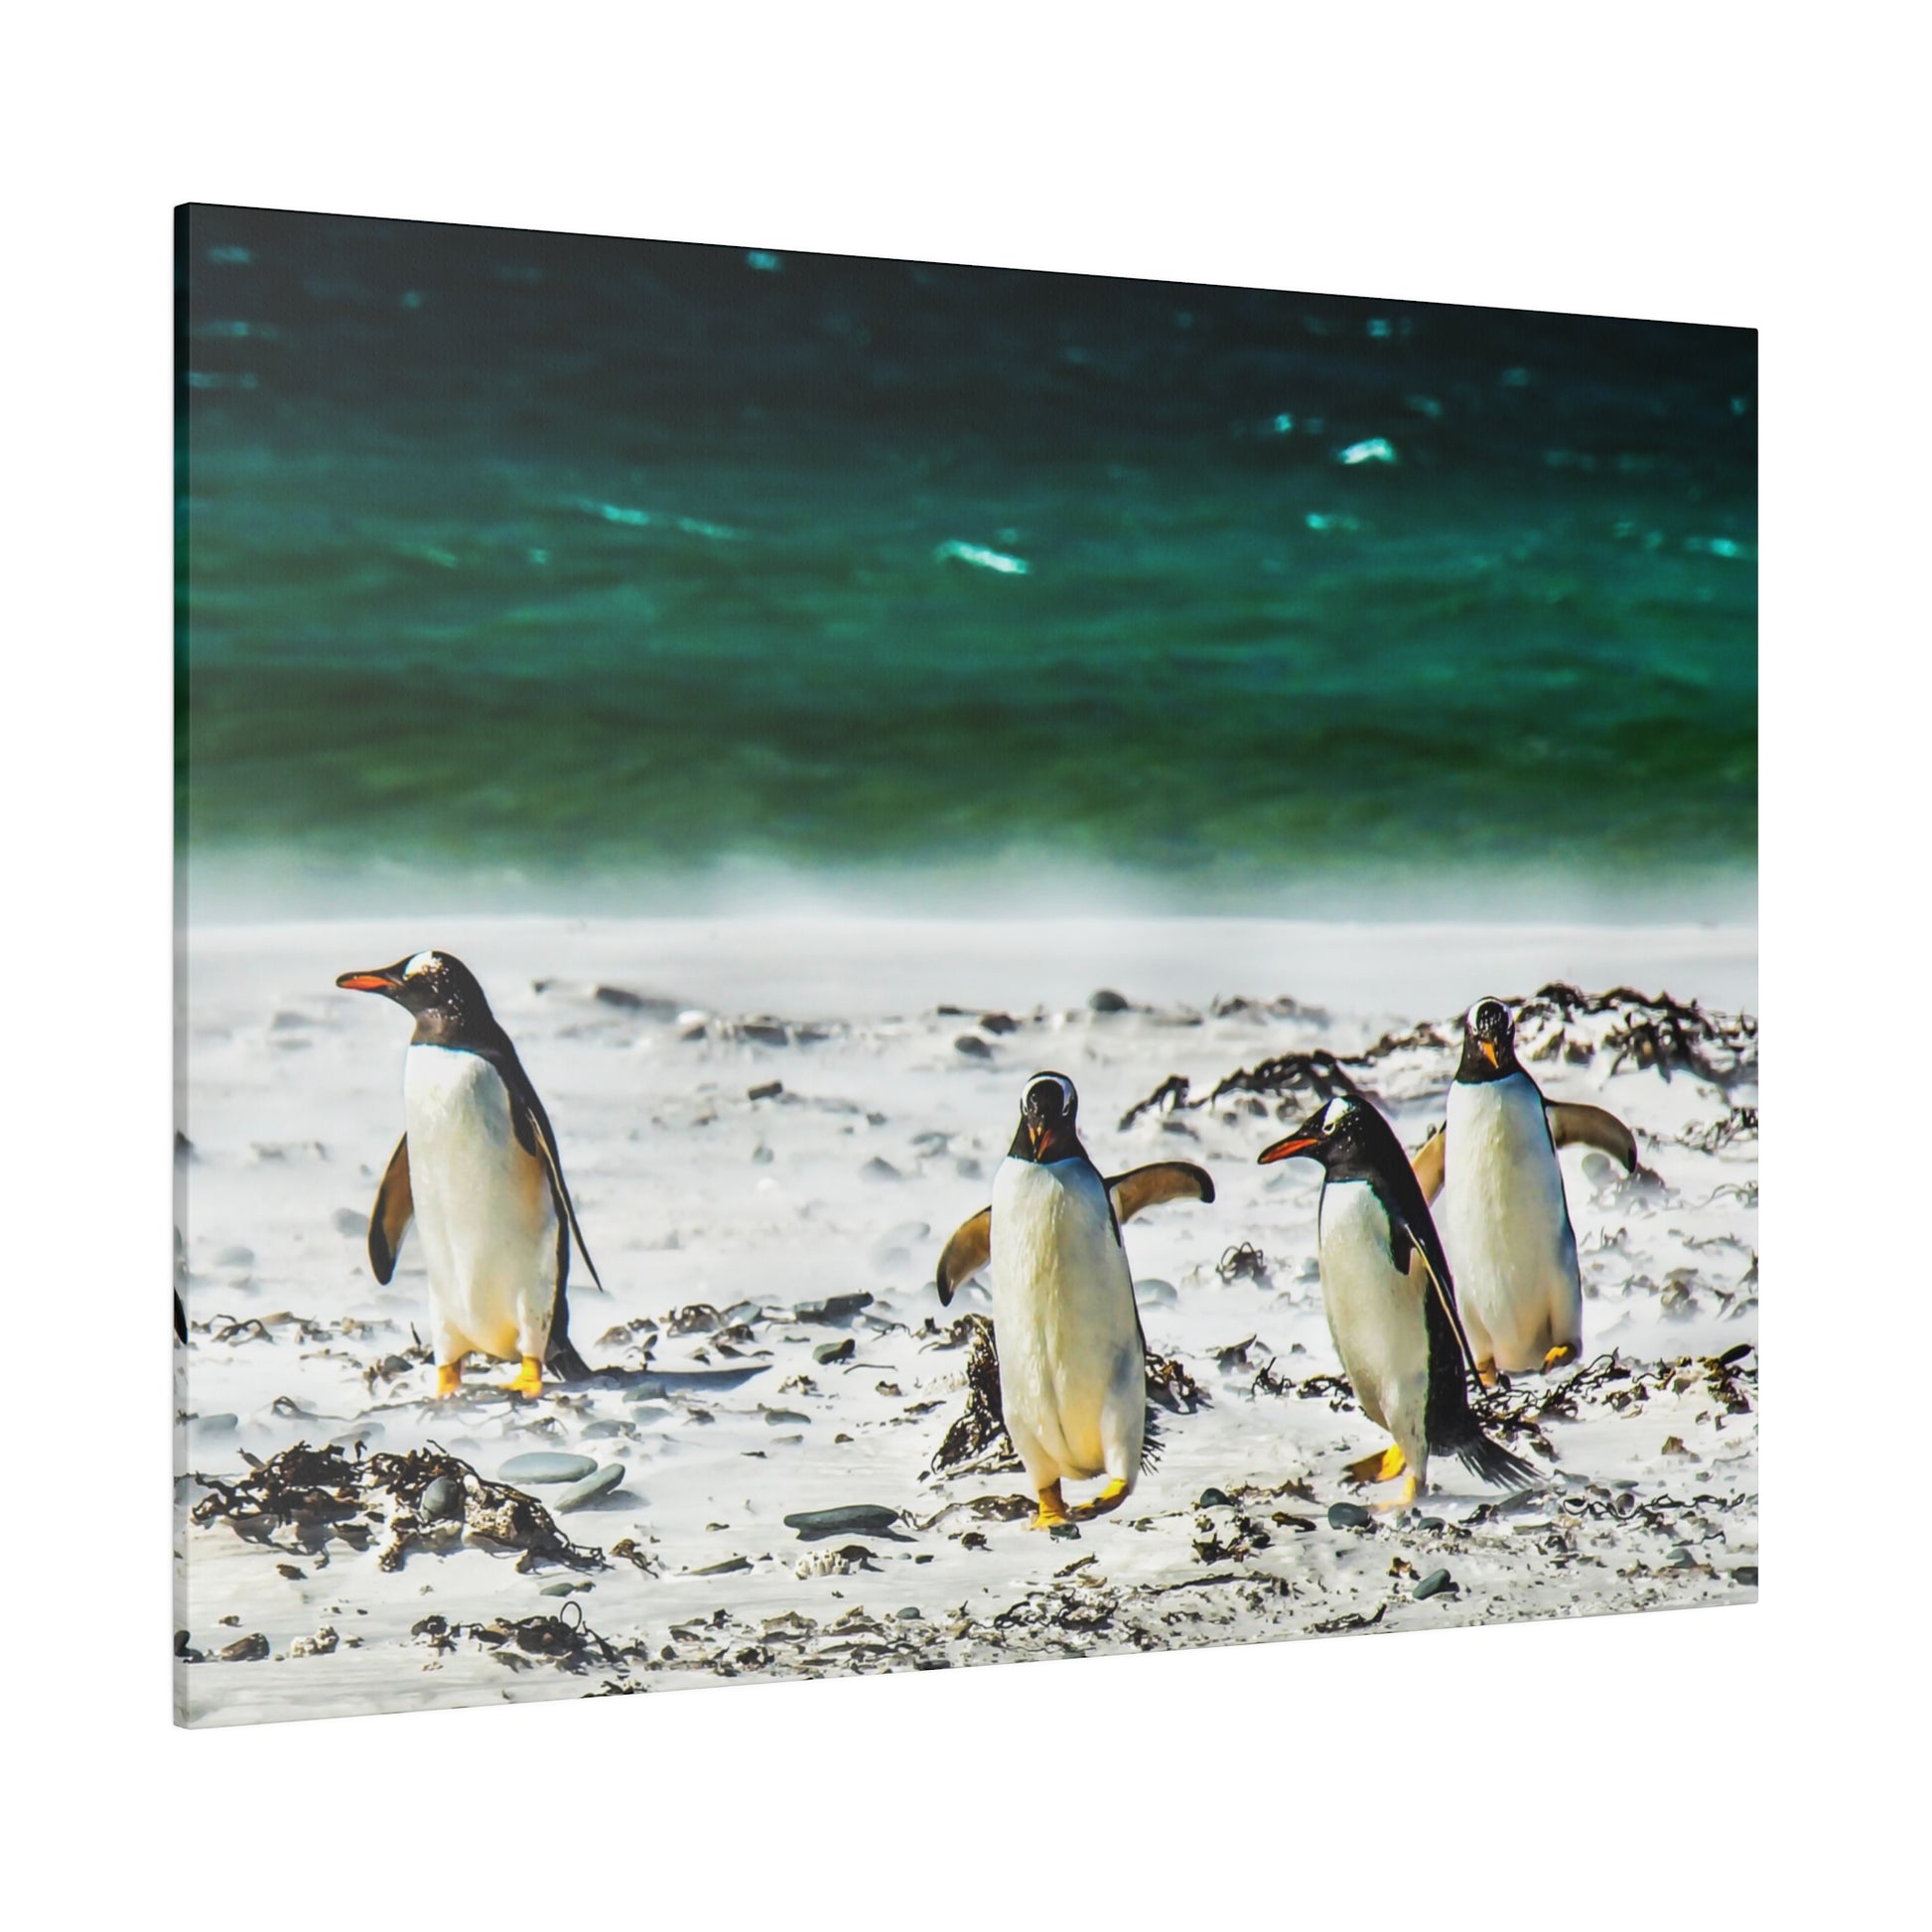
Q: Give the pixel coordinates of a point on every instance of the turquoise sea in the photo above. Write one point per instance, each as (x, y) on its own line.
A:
(529, 571)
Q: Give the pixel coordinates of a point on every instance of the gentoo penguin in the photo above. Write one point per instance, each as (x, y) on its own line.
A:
(1391, 1303)
(477, 1167)
(1072, 1362)
(1504, 1216)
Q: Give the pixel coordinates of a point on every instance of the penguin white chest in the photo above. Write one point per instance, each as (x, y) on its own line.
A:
(1072, 1372)
(484, 1211)
(1505, 1222)
(1375, 1315)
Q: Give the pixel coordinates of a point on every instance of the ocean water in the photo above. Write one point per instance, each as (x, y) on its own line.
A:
(526, 572)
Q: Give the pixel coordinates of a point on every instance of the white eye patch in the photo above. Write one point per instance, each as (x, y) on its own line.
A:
(1334, 1113)
(424, 962)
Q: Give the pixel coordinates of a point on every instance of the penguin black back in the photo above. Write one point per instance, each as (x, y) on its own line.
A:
(1353, 1141)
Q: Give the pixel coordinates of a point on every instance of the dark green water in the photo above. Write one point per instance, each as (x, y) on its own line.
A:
(594, 572)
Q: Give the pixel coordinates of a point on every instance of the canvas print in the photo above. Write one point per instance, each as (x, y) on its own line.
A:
(886, 966)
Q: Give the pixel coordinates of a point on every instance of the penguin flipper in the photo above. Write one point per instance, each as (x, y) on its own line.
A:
(1573, 1124)
(1163, 1181)
(1431, 1162)
(394, 1204)
(969, 1250)
(533, 1136)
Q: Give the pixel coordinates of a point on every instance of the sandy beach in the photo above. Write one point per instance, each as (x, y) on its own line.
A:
(769, 1128)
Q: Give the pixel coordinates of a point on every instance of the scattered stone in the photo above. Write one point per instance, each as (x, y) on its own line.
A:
(880, 1169)
(250, 1649)
(1215, 1499)
(1434, 1585)
(999, 1022)
(912, 1614)
(849, 1519)
(835, 1351)
(972, 1047)
(589, 1489)
(835, 1312)
(767, 1033)
(728, 1568)
(441, 1498)
(564, 1588)
(322, 1644)
(1349, 1516)
(1155, 1292)
(784, 1418)
(1066, 1532)
(546, 1466)
(1745, 1574)
(597, 1430)
(1106, 1000)
(766, 1090)
(349, 1222)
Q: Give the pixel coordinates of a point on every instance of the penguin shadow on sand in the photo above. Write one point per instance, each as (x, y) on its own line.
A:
(1073, 1359)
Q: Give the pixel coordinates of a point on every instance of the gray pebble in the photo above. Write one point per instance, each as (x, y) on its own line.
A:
(972, 1047)
(1214, 1500)
(766, 1090)
(546, 1466)
(912, 1614)
(1347, 1516)
(849, 1519)
(1066, 1532)
(835, 1351)
(1107, 1000)
(589, 1491)
(443, 1497)
(561, 1589)
(1432, 1585)
(596, 1430)
(878, 1170)
(349, 1222)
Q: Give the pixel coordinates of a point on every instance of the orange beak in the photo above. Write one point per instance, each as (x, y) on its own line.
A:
(365, 982)
(1294, 1144)
(1487, 1048)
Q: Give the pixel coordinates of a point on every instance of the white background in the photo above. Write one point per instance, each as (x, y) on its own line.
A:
(1699, 162)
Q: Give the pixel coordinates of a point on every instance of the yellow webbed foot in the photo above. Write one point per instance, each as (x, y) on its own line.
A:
(1486, 1372)
(1111, 1497)
(528, 1380)
(1561, 1353)
(1405, 1497)
(1382, 1467)
(1052, 1509)
(448, 1379)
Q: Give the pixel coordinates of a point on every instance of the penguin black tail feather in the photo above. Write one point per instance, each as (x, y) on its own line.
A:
(1491, 1463)
(565, 1363)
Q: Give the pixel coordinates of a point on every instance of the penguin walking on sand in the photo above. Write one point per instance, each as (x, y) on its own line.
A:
(1073, 1359)
(1391, 1303)
(478, 1170)
(1504, 1216)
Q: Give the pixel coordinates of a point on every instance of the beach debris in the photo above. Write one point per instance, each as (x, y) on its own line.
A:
(1349, 1516)
(1243, 1262)
(766, 1090)
(972, 1047)
(835, 1312)
(250, 1649)
(1436, 1584)
(835, 1351)
(1106, 1000)
(563, 1638)
(544, 1466)
(492, 1511)
(999, 1022)
(322, 1644)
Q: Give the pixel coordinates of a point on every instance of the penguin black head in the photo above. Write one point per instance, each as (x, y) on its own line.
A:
(436, 986)
(1340, 1133)
(1047, 1132)
(1488, 1043)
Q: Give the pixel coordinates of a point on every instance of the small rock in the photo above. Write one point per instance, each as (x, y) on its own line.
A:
(1106, 1001)
(1155, 1292)
(1429, 1522)
(349, 1222)
(784, 1418)
(250, 1649)
(767, 1033)
(1432, 1585)
(441, 1498)
(1599, 1168)
(766, 1090)
(879, 1170)
(912, 1614)
(729, 1566)
(999, 1022)
(1745, 1574)
(849, 1519)
(236, 1257)
(972, 1047)
(565, 1589)
(1215, 1499)
(546, 1466)
(761, 1156)
(589, 1491)
(1347, 1516)
(835, 1351)
(835, 1310)
(599, 1431)
(1066, 1532)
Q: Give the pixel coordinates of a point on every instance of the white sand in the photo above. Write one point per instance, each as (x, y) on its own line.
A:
(690, 1192)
